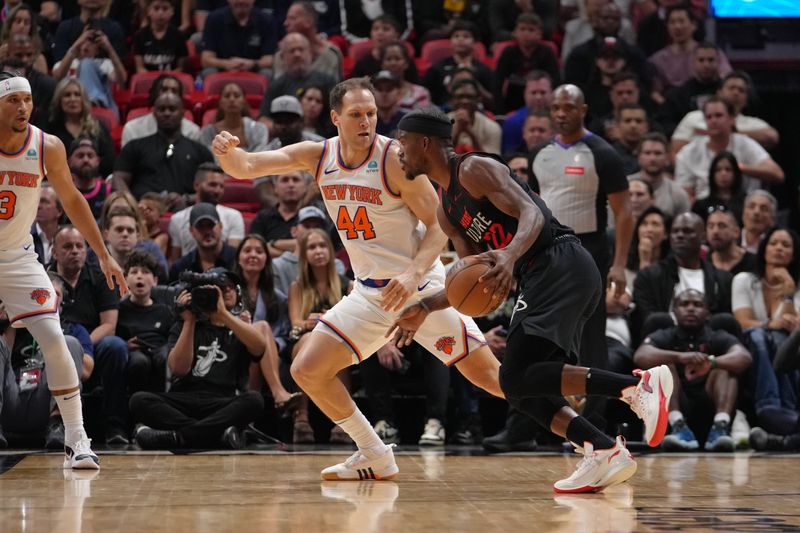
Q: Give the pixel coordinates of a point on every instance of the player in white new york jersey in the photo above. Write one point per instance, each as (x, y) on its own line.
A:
(388, 226)
(27, 155)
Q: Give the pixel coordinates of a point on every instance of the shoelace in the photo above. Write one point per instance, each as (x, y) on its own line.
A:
(83, 446)
(583, 465)
(353, 459)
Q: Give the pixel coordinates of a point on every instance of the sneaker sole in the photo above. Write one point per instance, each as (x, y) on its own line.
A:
(616, 477)
(83, 464)
(335, 477)
(431, 442)
(723, 444)
(663, 404)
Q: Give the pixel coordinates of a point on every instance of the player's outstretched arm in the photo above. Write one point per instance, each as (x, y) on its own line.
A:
(242, 165)
(78, 211)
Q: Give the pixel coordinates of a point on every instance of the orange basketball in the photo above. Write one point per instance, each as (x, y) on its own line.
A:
(465, 292)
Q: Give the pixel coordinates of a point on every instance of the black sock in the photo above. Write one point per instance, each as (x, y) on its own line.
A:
(604, 383)
(581, 430)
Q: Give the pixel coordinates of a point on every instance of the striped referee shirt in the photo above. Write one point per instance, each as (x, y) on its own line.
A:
(576, 179)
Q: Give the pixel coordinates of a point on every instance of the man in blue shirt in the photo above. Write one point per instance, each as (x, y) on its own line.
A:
(238, 37)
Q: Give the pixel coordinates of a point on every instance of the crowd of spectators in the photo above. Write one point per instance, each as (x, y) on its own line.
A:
(703, 247)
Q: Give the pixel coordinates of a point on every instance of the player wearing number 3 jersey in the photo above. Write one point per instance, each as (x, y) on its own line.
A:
(27, 155)
(388, 225)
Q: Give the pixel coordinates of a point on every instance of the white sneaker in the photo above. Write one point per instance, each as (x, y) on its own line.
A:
(359, 467)
(388, 433)
(650, 401)
(433, 434)
(599, 469)
(740, 430)
(81, 456)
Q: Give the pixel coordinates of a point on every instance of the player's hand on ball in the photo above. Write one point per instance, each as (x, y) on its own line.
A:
(114, 274)
(224, 143)
(499, 278)
(406, 325)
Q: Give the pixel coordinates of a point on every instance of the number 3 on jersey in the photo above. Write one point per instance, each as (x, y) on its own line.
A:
(8, 201)
(360, 222)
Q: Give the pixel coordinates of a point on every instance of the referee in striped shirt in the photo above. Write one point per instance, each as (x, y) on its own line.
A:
(578, 174)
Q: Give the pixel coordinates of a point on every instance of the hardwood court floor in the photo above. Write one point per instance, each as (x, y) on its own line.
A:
(434, 493)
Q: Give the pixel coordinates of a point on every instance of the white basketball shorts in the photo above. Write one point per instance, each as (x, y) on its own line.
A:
(359, 322)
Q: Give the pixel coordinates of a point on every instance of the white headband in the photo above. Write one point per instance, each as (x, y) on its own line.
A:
(17, 84)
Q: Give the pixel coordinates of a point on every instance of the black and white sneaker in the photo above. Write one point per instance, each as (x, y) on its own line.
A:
(80, 455)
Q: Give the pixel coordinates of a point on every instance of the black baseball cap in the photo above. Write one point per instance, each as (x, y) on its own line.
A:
(203, 211)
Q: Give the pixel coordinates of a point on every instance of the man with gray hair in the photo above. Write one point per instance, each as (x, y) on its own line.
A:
(325, 56)
(296, 59)
(760, 210)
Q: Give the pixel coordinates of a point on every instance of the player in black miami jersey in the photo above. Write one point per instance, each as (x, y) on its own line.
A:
(485, 210)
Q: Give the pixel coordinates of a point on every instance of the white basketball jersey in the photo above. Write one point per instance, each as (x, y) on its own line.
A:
(379, 231)
(21, 175)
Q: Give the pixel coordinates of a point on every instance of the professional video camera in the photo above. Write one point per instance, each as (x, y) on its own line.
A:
(201, 286)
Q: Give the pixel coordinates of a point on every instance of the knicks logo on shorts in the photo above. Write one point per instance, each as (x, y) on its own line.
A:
(445, 344)
(40, 296)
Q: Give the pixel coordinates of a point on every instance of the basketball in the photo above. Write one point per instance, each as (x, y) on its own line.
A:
(465, 292)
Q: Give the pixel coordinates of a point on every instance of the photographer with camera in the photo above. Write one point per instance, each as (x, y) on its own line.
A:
(211, 349)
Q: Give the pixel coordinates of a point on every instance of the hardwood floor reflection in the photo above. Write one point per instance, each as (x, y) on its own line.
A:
(281, 492)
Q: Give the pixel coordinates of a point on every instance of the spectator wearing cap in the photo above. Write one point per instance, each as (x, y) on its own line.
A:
(238, 37)
(211, 251)
(84, 164)
(538, 95)
(462, 42)
(275, 223)
(146, 124)
(472, 130)
(209, 184)
(285, 268)
(579, 61)
(165, 161)
(516, 61)
(326, 57)
(387, 99)
(295, 54)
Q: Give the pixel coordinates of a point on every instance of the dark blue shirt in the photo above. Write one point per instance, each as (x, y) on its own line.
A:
(191, 262)
(69, 31)
(225, 37)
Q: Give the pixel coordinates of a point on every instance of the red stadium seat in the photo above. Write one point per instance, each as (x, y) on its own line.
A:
(438, 49)
(141, 83)
(254, 86)
(107, 117)
(241, 195)
(248, 220)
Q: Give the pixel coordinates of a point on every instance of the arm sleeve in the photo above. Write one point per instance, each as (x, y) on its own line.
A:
(659, 339)
(721, 342)
(610, 169)
(683, 174)
(237, 226)
(751, 152)
(684, 130)
(82, 334)
(105, 299)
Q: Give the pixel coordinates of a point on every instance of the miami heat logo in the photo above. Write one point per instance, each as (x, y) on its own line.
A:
(445, 344)
(40, 296)
(7, 85)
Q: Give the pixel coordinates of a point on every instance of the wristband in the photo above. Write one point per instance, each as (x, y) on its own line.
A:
(424, 306)
(713, 360)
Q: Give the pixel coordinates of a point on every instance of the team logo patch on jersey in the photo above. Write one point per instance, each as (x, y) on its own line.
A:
(372, 167)
(31, 152)
(445, 344)
(40, 296)
(574, 170)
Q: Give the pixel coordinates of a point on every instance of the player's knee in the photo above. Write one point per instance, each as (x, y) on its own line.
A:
(511, 383)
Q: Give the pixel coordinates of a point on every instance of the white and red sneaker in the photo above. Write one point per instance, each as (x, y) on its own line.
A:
(360, 466)
(599, 469)
(650, 401)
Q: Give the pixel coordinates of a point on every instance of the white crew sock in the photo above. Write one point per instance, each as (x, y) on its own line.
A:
(722, 417)
(362, 433)
(675, 417)
(72, 415)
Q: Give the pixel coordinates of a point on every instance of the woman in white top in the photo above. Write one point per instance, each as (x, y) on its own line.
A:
(765, 304)
(233, 114)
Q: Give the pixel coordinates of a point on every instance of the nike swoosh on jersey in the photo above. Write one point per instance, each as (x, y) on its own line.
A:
(329, 171)
(27, 247)
(421, 287)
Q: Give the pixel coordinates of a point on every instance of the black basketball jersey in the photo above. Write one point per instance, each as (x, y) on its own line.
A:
(486, 225)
